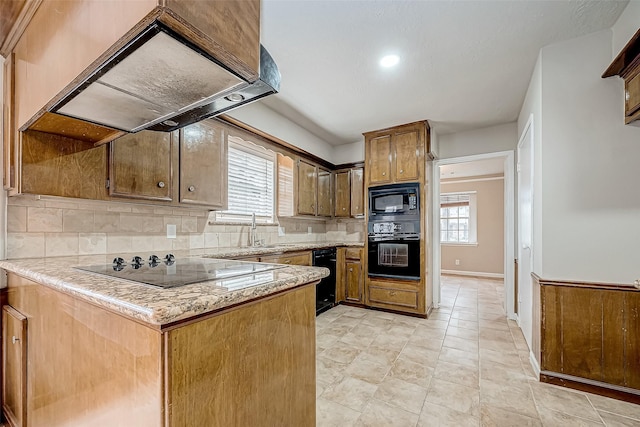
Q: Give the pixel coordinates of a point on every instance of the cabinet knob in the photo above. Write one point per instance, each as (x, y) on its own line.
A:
(351, 269)
(161, 184)
(384, 173)
(288, 261)
(392, 293)
(14, 339)
(344, 209)
(401, 170)
(191, 188)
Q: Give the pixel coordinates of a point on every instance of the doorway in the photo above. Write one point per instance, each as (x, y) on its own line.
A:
(506, 161)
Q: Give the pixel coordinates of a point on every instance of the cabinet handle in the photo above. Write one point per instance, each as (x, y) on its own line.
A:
(288, 261)
(191, 188)
(392, 293)
(161, 184)
(14, 339)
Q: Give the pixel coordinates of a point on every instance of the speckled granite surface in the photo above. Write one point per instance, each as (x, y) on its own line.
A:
(157, 306)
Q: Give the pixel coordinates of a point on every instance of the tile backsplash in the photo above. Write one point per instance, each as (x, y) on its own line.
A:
(38, 227)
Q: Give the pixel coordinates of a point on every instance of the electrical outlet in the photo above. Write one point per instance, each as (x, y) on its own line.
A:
(171, 231)
(280, 231)
(457, 262)
(309, 230)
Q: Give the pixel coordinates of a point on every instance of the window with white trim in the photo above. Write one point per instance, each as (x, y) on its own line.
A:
(251, 183)
(458, 215)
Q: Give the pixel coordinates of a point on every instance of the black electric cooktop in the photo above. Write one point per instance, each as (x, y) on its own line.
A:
(170, 272)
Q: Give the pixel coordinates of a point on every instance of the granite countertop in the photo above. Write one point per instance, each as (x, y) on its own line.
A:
(157, 306)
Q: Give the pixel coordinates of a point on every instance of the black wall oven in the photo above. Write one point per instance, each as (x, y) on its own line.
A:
(395, 257)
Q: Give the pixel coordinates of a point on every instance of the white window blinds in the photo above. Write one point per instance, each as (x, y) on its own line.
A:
(251, 171)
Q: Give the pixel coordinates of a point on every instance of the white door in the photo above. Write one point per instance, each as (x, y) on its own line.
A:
(525, 230)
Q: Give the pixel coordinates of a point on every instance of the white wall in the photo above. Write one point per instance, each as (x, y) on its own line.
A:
(533, 105)
(478, 141)
(590, 203)
(263, 118)
(626, 26)
(349, 153)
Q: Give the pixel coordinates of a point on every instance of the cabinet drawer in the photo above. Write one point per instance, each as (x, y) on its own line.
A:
(298, 258)
(399, 297)
(353, 253)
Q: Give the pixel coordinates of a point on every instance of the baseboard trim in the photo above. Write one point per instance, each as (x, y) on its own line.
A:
(534, 364)
(591, 386)
(473, 274)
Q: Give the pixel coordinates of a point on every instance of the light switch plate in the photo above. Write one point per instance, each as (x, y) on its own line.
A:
(171, 231)
(280, 231)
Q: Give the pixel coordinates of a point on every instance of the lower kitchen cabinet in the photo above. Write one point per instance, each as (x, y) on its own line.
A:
(14, 366)
(398, 295)
(292, 258)
(89, 366)
(350, 278)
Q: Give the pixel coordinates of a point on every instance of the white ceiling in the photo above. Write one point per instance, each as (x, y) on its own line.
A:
(463, 64)
(493, 166)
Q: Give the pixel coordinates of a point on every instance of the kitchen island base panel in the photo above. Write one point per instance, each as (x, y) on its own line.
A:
(260, 370)
(86, 365)
(252, 364)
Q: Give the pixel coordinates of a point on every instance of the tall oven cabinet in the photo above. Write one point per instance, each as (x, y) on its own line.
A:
(396, 155)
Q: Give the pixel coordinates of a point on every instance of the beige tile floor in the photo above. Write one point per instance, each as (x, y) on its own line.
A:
(466, 365)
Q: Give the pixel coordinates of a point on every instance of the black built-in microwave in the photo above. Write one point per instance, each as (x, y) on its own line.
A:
(394, 200)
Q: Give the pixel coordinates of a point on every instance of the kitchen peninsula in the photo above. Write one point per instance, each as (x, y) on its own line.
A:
(86, 349)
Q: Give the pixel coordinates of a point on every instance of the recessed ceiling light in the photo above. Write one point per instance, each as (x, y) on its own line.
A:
(389, 61)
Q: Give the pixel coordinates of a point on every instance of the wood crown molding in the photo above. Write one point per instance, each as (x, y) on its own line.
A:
(19, 25)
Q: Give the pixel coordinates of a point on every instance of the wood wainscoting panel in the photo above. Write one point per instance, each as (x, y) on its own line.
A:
(632, 340)
(591, 333)
(86, 365)
(221, 374)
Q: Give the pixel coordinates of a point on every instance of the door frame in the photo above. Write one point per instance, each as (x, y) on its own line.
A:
(509, 229)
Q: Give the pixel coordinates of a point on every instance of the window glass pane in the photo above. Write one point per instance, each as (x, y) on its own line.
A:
(464, 211)
(464, 236)
(452, 236)
(443, 224)
(453, 212)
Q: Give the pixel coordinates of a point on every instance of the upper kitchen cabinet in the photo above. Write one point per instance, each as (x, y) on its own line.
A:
(349, 193)
(397, 154)
(325, 200)
(141, 166)
(627, 66)
(307, 188)
(120, 74)
(9, 136)
(203, 165)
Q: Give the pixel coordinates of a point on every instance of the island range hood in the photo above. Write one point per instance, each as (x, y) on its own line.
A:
(160, 81)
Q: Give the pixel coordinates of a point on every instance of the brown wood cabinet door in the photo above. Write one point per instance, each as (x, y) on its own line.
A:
(307, 188)
(406, 146)
(632, 95)
(140, 166)
(343, 194)
(357, 192)
(9, 135)
(203, 165)
(324, 192)
(14, 366)
(379, 159)
(354, 285)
